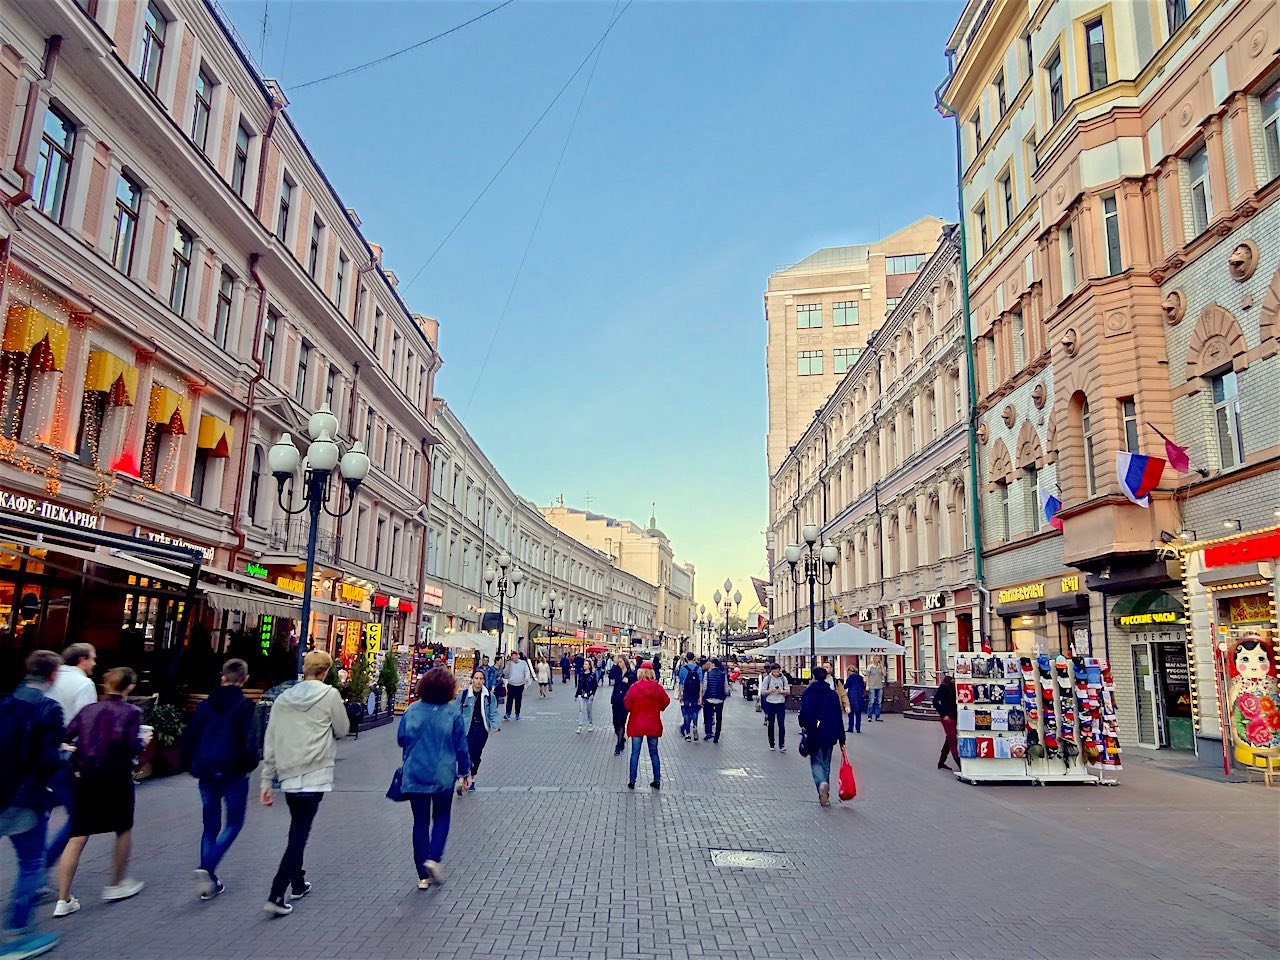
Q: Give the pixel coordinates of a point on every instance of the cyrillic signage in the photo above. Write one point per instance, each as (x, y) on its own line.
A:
(1028, 591)
(48, 511)
(1251, 550)
(256, 570)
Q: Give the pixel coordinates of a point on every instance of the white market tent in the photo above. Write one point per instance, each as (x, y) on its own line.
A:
(842, 639)
(486, 643)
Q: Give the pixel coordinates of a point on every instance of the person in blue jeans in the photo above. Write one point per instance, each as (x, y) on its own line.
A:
(689, 683)
(32, 722)
(823, 723)
(220, 750)
(856, 688)
(645, 702)
(774, 688)
(875, 689)
(435, 761)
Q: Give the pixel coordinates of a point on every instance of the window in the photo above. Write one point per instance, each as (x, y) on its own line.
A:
(201, 109)
(269, 341)
(1057, 97)
(1006, 195)
(222, 313)
(340, 280)
(1002, 492)
(53, 166)
(933, 414)
(377, 544)
(1035, 516)
(199, 471)
(907, 263)
(975, 126)
(981, 216)
(1068, 260)
(331, 386)
(128, 203)
(1201, 199)
(1176, 11)
(92, 413)
(1096, 54)
(845, 313)
(1019, 339)
(1226, 412)
(368, 429)
(1029, 55)
(1129, 415)
(282, 215)
(395, 356)
(890, 304)
(376, 338)
(808, 315)
(300, 384)
(255, 476)
(1086, 430)
(386, 449)
(809, 362)
(1270, 103)
(844, 358)
(153, 30)
(181, 270)
(313, 250)
(1002, 95)
(1111, 234)
(957, 396)
(240, 165)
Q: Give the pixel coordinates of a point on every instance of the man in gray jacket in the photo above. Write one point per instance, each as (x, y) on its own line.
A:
(300, 752)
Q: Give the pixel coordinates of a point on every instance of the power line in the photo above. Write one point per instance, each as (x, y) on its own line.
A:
(511, 156)
(396, 53)
(599, 49)
(288, 25)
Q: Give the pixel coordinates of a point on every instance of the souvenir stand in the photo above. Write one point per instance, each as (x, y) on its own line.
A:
(1036, 719)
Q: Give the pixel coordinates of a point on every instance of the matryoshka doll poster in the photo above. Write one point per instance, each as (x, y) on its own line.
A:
(1252, 692)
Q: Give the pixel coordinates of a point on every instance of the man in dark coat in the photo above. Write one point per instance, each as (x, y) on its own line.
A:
(823, 723)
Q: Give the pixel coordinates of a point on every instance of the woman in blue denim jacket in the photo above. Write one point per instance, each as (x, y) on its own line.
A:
(433, 739)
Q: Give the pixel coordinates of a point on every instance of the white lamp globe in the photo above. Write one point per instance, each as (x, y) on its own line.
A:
(792, 553)
(830, 554)
(322, 421)
(810, 533)
(355, 463)
(283, 456)
(323, 453)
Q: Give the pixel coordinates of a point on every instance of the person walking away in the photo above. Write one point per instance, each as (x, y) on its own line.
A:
(479, 709)
(434, 762)
(657, 667)
(300, 751)
(588, 684)
(30, 741)
(622, 677)
(944, 701)
(856, 688)
(220, 750)
(108, 737)
(518, 675)
(715, 690)
(773, 701)
(565, 664)
(875, 689)
(823, 724)
(543, 672)
(689, 681)
(74, 690)
(645, 702)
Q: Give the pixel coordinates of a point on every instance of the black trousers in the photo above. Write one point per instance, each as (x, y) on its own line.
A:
(302, 813)
(476, 739)
(620, 721)
(515, 697)
(712, 715)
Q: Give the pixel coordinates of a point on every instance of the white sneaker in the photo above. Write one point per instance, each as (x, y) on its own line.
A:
(434, 871)
(122, 890)
(591, 728)
(579, 730)
(204, 884)
(66, 907)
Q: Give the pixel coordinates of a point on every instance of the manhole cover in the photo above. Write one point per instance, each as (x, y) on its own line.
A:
(751, 859)
(733, 772)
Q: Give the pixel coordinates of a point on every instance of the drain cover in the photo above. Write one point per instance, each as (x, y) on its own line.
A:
(751, 859)
(734, 772)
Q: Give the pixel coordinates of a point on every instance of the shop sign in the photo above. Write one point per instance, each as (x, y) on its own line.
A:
(265, 630)
(1148, 619)
(432, 596)
(350, 593)
(1028, 591)
(256, 570)
(1071, 584)
(1265, 547)
(292, 584)
(380, 600)
(865, 613)
(45, 510)
(1252, 609)
(934, 601)
(159, 536)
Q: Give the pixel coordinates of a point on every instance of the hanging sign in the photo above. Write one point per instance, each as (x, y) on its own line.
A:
(256, 570)
(159, 536)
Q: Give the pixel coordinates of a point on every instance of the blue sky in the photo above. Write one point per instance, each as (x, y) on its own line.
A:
(717, 141)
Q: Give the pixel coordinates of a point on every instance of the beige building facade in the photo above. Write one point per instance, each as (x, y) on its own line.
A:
(820, 313)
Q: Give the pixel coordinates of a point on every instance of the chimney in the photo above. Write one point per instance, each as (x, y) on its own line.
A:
(377, 253)
(391, 275)
(430, 328)
(277, 92)
(355, 218)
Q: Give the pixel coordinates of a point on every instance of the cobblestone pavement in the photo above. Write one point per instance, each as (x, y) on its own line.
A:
(553, 857)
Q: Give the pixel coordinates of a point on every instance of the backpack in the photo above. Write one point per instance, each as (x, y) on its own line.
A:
(692, 688)
(218, 755)
(16, 731)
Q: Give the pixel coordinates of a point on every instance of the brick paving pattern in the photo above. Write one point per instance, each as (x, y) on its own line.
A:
(553, 857)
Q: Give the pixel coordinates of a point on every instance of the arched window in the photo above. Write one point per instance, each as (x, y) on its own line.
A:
(1087, 438)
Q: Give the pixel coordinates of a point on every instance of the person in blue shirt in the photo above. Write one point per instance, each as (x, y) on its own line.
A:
(689, 683)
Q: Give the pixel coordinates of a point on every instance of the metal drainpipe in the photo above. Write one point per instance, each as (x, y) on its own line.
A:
(947, 110)
(276, 108)
(51, 50)
(351, 428)
(250, 398)
(422, 548)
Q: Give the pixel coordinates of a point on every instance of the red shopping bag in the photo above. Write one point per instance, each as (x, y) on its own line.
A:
(848, 786)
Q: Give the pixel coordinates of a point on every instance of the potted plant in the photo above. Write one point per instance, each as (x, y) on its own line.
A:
(389, 679)
(166, 723)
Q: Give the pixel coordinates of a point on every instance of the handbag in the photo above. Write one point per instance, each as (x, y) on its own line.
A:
(394, 792)
(848, 786)
(500, 691)
(803, 748)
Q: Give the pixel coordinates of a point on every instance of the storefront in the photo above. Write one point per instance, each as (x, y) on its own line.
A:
(1048, 616)
(1153, 625)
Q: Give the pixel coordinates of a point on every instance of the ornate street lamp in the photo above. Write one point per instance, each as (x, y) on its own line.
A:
(552, 607)
(813, 565)
(729, 603)
(317, 469)
(498, 583)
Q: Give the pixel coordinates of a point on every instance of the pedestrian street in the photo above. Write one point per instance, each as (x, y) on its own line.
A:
(553, 857)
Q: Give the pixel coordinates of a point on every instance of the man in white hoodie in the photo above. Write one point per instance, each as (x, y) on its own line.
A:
(300, 752)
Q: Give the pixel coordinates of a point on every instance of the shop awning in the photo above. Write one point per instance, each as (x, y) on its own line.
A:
(25, 327)
(168, 407)
(251, 602)
(331, 608)
(269, 593)
(107, 373)
(114, 559)
(215, 436)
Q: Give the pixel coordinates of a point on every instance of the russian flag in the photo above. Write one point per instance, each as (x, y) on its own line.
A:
(1139, 475)
(1052, 507)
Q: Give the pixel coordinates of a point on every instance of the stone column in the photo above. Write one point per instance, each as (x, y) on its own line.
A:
(1151, 216)
(196, 281)
(78, 182)
(1217, 166)
(107, 236)
(145, 237)
(1173, 208)
(1242, 144)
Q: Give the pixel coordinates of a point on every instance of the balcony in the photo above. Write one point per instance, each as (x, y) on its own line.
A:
(289, 538)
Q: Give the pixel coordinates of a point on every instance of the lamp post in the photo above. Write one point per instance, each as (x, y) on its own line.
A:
(814, 565)
(729, 603)
(317, 469)
(586, 622)
(498, 583)
(550, 610)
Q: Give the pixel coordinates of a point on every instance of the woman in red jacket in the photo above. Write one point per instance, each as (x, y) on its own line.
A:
(645, 702)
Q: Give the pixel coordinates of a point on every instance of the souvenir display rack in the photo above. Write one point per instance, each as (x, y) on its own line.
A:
(1036, 719)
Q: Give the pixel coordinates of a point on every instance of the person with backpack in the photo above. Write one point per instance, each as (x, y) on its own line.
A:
(479, 710)
(220, 749)
(823, 724)
(689, 682)
(30, 739)
(773, 701)
(622, 677)
(645, 702)
(715, 690)
(108, 736)
(588, 684)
